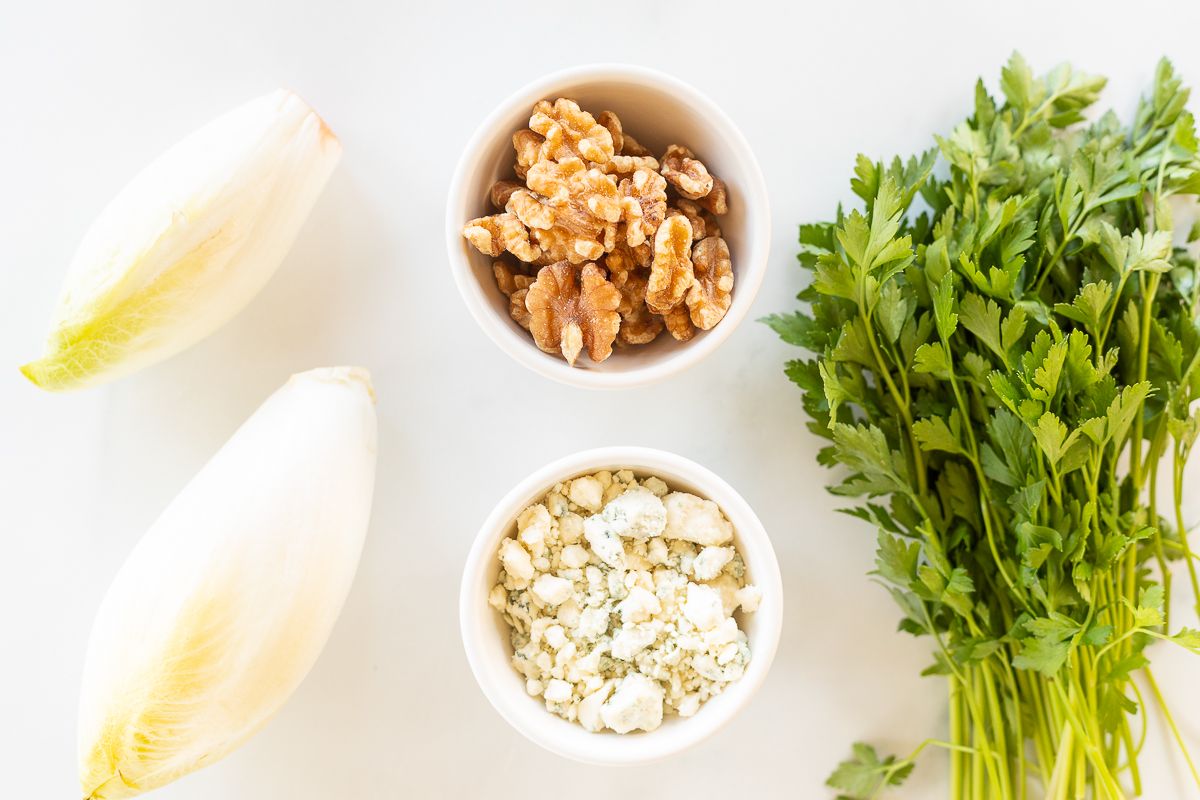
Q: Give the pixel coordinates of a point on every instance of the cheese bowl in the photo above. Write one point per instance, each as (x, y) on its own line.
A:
(485, 634)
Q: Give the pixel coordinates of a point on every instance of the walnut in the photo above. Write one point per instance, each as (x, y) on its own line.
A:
(623, 259)
(572, 209)
(638, 324)
(629, 156)
(533, 212)
(499, 232)
(704, 224)
(570, 131)
(571, 182)
(717, 200)
(514, 285)
(517, 308)
(671, 271)
(694, 214)
(501, 191)
(711, 226)
(710, 295)
(681, 169)
(624, 166)
(613, 123)
(679, 324)
(643, 205)
(484, 235)
(630, 146)
(516, 238)
(509, 280)
(573, 307)
(562, 244)
(529, 150)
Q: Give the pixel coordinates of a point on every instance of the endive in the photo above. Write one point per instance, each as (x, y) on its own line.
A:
(225, 603)
(188, 242)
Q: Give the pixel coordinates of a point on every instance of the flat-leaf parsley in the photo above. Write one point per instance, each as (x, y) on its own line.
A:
(1006, 353)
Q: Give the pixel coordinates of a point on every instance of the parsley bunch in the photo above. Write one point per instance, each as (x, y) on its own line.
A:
(1006, 359)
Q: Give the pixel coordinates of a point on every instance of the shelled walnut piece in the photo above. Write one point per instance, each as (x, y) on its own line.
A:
(639, 325)
(689, 177)
(515, 286)
(612, 233)
(709, 297)
(572, 308)
(671, 273)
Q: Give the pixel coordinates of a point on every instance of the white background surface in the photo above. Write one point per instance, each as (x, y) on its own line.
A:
(93, 91)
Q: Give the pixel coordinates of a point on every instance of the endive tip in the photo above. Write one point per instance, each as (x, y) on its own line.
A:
(29, 371)
(346, 374)
(327, 134)
(115, 783)
(36, 373)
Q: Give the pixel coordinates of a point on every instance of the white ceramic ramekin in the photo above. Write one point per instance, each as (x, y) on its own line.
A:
(486, 635)
(657, 110)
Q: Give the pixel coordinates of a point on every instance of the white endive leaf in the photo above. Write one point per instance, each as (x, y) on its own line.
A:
(226, 602)
(188, 242)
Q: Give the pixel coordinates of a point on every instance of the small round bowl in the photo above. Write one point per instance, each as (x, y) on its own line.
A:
(486, 635)
(657, 110)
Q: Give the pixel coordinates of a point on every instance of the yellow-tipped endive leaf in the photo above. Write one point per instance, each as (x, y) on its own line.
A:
(188, 242)
(226, 602)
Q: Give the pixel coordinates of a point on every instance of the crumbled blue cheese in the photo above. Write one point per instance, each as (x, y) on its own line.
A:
(532, 528)
(637, 704)
(516, 562)
(711, 560)
(605, 542)
(635, 514)
(587, 492)
(620, 596)
(702, 606)
(693, 519)
(639, 605)
(551, 590)
(748, 597)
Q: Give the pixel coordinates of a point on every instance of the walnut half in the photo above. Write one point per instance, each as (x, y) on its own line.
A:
(638, 324)
(572, 307)
(683, 171)
(671, 271)
(515, 286)
(570, 131)
(711, 294)
(499, 232)
(643, 205)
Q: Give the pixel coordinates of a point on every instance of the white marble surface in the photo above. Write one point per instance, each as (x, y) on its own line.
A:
(93, 90)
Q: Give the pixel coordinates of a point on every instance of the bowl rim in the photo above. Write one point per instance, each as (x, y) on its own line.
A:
(475, 613)
(521, 348)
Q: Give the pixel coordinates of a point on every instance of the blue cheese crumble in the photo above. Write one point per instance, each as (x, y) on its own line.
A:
(620, 594)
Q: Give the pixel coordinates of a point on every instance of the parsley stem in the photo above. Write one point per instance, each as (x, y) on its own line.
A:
(1057, 788)
(1149, 290)
(1164, 573)
(956, 735)
(1134, 773)
(1141, 702)
(885, 372)
(1112, 310)
(985, 501)
(1180, 527)
(999, 733)
(1041, 723)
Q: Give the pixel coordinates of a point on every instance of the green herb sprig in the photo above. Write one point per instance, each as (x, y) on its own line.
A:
(1007, 352)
